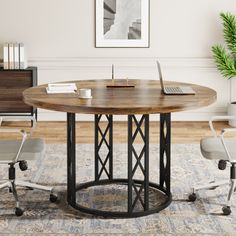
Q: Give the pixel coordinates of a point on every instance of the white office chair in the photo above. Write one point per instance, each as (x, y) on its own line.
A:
(20, 151)
(223, 149)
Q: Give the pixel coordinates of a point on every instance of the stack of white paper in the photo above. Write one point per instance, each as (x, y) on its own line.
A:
(61, 88)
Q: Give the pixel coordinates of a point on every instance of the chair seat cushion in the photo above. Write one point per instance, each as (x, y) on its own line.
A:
(32, 148)
(212, 148)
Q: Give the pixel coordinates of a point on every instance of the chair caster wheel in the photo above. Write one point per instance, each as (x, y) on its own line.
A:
(18, 211)
(192, 197)
(53, 197)
(23, 165)
(29, 188)
(222, 165)
(226, 210)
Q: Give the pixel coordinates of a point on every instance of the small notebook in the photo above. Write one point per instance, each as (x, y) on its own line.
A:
(61, 88)
(59, 91)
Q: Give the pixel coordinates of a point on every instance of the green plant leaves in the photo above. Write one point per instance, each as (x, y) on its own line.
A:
(229, 24)
(225, 59)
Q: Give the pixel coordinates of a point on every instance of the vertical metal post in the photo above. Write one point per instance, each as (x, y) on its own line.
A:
(96, 147)
(130, 164)
(165, 152)
(71, 168)
(162, 150)
(146, 163)
(111, 147)
(36, 114)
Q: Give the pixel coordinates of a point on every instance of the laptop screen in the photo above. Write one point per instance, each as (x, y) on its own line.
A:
(160, 75)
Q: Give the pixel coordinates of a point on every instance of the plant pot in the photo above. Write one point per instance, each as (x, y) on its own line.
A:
(232, 112)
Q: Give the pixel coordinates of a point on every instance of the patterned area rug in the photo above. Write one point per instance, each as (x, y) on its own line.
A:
(180, 218)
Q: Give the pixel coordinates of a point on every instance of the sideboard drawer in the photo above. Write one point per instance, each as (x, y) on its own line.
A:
(12, 85)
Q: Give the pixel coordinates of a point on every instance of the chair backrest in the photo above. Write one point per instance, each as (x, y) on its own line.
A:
(24, 149)
(32, 149)
(225, 147)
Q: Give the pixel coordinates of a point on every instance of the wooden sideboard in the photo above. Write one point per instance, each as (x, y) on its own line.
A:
(12, 85)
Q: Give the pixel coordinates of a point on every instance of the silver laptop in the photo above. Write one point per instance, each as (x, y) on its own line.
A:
(173, 90)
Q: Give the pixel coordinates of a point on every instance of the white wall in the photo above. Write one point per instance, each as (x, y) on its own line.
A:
(59, 35)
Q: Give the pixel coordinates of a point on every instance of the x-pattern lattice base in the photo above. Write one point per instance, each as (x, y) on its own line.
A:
(141, 191)
(103, 138)
(165, 131)
(138, 161)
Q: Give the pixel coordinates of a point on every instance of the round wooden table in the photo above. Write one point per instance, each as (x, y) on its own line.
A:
(144, 99)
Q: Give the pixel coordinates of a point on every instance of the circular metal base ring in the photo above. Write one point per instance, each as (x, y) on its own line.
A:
(121, 214)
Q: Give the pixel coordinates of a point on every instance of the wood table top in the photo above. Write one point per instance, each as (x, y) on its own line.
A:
(145, 98)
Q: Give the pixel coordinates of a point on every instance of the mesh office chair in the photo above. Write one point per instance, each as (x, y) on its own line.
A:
(222, 149)
(20, 151)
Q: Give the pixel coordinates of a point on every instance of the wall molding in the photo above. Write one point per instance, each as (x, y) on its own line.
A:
(68, 63)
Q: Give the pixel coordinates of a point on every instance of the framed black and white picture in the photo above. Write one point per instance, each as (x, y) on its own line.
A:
(122, 23)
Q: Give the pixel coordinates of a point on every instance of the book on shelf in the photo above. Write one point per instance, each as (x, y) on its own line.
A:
(23, 60)
(11, 56)
(5, 56)
(16, 56)
(61, 88)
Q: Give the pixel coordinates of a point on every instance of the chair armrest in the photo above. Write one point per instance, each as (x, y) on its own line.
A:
(13, 130)
(218, 118)
(223, 131)
(21, 118)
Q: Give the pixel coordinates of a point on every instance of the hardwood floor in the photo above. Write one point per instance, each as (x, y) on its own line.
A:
(55, 132)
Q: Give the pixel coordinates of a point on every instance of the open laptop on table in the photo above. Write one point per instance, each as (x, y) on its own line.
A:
(173, 90)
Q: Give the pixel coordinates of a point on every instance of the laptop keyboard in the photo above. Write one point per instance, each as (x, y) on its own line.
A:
(173, 90)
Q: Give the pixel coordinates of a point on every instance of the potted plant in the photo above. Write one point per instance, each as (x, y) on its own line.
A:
(225, 57)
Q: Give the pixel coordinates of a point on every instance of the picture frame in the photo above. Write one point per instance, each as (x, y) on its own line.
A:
(122, 23)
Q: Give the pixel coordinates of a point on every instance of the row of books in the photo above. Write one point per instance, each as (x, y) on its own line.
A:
(14, 57)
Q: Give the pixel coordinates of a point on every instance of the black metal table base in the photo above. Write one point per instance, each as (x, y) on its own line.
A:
(138, 162)
(123, 214)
